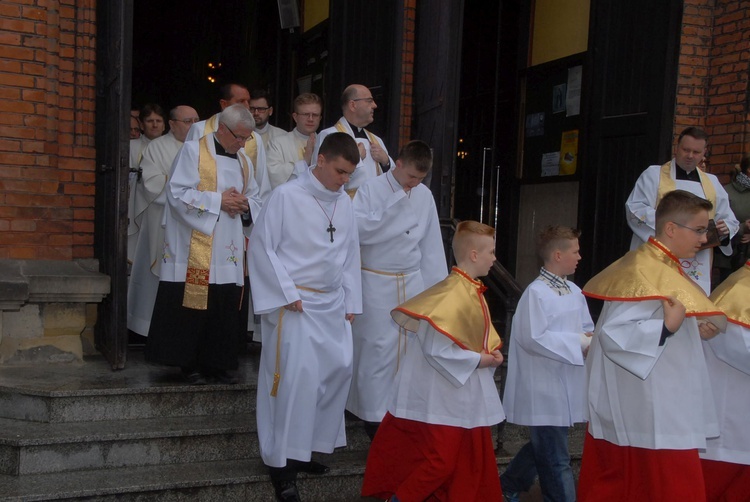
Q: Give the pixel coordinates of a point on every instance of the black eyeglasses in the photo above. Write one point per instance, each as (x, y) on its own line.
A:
(241, 139)
(369, 100)
(254, 109)
(187, 121)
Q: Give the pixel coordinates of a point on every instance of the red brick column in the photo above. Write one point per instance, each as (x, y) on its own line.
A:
(407, 72)
(47, 156)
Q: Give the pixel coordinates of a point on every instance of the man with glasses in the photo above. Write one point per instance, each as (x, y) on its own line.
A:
(291, 153)
(262, 108)
(358, 107)
(198, 321)
(149, 200)
(683, 172)
(650, 405)
(230, 94)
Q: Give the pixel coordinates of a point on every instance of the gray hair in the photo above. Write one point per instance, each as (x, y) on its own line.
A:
(237, 116)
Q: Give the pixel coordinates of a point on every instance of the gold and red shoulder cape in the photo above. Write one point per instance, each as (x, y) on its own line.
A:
(652, 272)
(733, 296)
(456, 308)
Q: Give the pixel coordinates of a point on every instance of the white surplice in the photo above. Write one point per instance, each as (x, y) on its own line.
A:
(546, 377)
(728, 359)
(640, 210)
(291, 257)
(189, 209)
(367, 167)
(642, 394)
(268, 133)
(198, 130)
(399, 233)
(150, 198)
(137, 146)
(439, 383)
(285, 157)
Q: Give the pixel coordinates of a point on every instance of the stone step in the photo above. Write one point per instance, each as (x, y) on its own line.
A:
(113, 403)
(39, 448)
(228, 481)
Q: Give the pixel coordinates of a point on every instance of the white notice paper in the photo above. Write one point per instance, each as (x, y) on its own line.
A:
(551, 164)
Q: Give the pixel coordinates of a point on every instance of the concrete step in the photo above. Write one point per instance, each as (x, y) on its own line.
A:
(226, 481)
(39, 448)
(89, 405)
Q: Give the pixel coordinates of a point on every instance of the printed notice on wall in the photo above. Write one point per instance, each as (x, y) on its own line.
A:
(551, 164)
(568, 152)
(573, 98)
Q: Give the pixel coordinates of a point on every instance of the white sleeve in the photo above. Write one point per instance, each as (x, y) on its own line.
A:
(733, 347)
(452, 362)
(640, 207)
(630, 335)
(198, 210)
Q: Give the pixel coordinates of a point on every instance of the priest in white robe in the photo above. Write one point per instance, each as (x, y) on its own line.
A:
(650, 405)
(254, 149)
(290, 154)
(261, 107)
(726, 459)
(149, 201)
(683, 173)
(358, 107)
(402, 255)
(304, 270)
(196, 322)
(151, 117)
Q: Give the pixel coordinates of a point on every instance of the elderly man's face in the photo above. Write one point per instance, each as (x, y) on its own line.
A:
(185, 116)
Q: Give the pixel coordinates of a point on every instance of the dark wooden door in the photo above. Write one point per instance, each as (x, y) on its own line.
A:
(114, 48)
(437, 69)
(628, 99)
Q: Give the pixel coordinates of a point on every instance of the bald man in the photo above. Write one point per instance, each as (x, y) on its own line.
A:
(358, 108)
(149, 210)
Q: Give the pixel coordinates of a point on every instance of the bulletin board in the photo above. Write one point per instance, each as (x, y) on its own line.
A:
(551, 120)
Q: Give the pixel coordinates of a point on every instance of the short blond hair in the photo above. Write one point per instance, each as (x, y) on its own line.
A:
(464, 240)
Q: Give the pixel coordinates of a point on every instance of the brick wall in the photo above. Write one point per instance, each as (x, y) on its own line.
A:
(714, 78)
(407, 72)
(47, 92)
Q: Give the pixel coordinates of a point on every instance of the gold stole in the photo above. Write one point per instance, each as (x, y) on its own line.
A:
(456, 308)
(199, 258)
(667, 184)
(251, 145)
(732, 296)
(651, 272)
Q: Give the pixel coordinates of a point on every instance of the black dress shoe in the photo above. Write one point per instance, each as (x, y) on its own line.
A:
(311, 467)
(195, 378)
(286, 491)
(225, 377)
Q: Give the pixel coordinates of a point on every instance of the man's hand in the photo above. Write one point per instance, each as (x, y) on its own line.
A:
(350, 318)
(707, 330)
(491, 360)
(722, 228)
(586, 342)
(674, 313)
(233, 202)
(746, 235)
(294, 306)
(309, 148)
(378, 153)
(362, 150)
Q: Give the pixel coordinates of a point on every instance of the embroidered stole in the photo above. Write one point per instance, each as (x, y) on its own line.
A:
(199, 258)
(667, 184)
(342, 128)
(732, 296)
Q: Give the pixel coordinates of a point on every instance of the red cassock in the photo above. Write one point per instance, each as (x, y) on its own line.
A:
(427, 462)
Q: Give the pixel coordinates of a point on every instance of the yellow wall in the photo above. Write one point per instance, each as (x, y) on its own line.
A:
(316, 11)
(560, 28)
